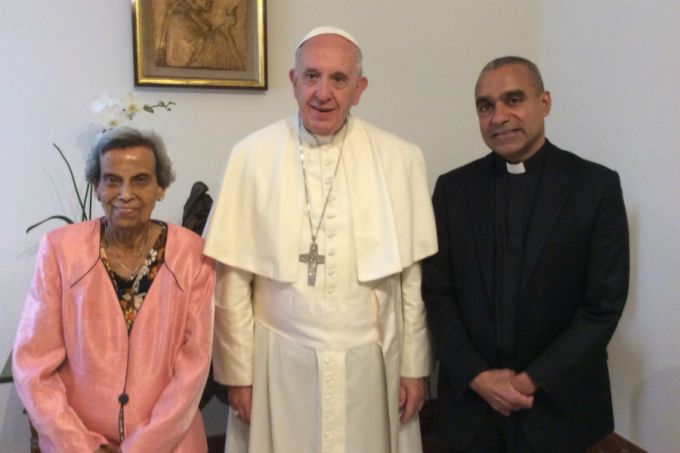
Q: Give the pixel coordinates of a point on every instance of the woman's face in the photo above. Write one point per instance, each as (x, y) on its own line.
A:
(127, 187)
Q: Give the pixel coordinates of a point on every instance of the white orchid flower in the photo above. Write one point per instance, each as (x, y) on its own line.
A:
(112, 116)
(102, 102)
(109, 111)
(132, 105)
(112, 112)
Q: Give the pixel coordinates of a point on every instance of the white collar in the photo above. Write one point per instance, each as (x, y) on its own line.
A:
(314, 140)
(515, 169)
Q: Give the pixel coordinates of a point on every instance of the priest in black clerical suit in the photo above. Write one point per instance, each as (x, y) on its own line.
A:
(529, 282)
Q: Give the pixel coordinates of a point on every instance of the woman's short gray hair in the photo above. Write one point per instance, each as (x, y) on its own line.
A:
(127, 137)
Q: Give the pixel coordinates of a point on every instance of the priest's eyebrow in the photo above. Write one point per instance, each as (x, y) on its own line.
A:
(505, 97)
(513, 94)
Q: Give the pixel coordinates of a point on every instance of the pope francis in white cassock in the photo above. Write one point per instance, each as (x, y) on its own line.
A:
(320, 224)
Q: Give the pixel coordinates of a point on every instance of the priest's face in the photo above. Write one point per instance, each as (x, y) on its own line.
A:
(327, 82)
(511, 111)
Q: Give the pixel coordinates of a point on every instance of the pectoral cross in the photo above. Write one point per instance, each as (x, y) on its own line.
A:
(312, 259)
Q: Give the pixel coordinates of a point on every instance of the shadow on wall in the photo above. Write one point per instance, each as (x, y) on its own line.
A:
(626, 352)
(657, 403)
(15, 434)
(654, 408)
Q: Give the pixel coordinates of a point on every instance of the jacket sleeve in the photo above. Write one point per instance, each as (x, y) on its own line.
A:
(563, 364)
(176, 408)
(416, 355)
(234, 335)
(38, 353)
(459, 359)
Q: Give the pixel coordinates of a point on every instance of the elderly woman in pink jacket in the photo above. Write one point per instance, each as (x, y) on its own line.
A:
(114, 343)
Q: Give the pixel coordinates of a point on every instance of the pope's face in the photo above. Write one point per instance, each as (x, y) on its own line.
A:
(327, 82)
(511, 112)
(127, 188)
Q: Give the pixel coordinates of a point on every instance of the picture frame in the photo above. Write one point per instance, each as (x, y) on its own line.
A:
(200, 43)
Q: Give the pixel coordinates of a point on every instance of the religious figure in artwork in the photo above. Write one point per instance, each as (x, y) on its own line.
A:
(204, 34)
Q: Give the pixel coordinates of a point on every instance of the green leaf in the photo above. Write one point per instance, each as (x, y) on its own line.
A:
(52, 217)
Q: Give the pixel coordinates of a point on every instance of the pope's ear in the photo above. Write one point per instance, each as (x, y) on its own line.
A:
(362, 84)
(291, 76)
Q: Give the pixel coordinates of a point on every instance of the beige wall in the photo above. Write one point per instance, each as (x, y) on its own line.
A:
(614, 69)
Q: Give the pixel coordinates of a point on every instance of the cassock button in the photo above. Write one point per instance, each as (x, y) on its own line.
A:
(123, 399)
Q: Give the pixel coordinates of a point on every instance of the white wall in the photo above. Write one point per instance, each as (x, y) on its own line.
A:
(421, 57)
(613, 67)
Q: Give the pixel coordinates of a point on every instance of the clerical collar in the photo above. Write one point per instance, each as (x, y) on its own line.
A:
(533, 163)
(314, 140)
(515, 169)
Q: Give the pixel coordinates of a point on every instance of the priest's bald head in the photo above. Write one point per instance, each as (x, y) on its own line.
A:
(327, 79)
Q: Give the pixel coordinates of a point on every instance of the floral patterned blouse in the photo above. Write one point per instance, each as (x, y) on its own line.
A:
(131, 291)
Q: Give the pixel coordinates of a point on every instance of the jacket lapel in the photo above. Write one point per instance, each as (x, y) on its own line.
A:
(87, 250)
(556, 183)
(480, 189)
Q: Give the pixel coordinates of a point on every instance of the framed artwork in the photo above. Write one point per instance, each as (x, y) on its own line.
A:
(200, 43)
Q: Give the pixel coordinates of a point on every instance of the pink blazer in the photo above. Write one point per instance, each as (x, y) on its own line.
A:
(73, 357)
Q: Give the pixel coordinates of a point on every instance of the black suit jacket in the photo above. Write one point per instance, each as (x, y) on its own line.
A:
(574, 285)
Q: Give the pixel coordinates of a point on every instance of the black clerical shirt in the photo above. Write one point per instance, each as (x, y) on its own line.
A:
(514, 196)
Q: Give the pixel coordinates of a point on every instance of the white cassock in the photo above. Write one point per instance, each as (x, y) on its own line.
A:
(324, 360)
